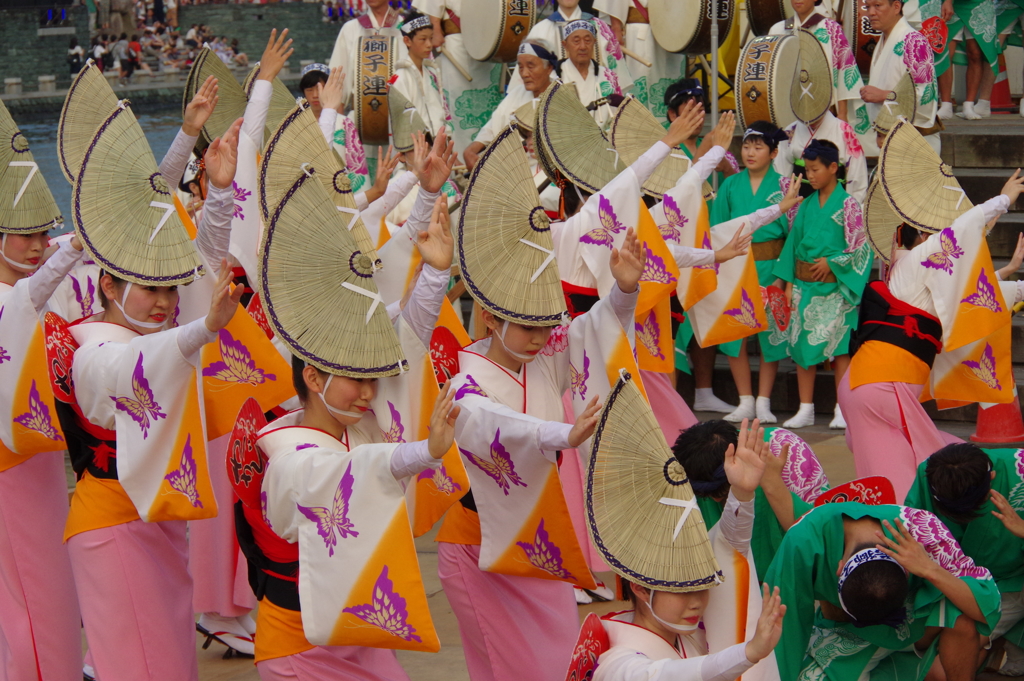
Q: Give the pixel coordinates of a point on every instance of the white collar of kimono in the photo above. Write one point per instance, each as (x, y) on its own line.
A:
(283, 439)
(89, 333)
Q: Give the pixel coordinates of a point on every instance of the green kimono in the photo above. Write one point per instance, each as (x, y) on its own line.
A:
(985, 540)
(1008, 15)
(824, 313)
(978, 19)
(805, 479)
(815, 648)
(735, 199)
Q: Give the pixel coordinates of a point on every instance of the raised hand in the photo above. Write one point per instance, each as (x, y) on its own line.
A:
(722, 134)
(386, 164)
(222, 157)
(437, 166)
(792, 197)
(627, 263)
(743, 463)
(1007, 514)
(769, 626)
(442, 422)
(275, 55)
(585, 424)
(774, 465)
(436, 245)
(686, 125)
(330, 93)
(1013, 187)
(737, 246)
(199, 109)
(224, 303)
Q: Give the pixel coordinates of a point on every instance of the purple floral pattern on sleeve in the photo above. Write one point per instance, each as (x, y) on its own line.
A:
(854, 225)
(611, 44)
(842, 55)
(940, 545)
(917, 56)
(802, 473)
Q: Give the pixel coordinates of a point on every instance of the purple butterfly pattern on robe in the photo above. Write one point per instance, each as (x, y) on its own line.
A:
(241, 194)
(4, 357)
(442, 481)
(544, 555)
(706, 245)
(655, 270)
(676, 220)
(263, 508)
(37, 417)
(649, 335)
(610, 226)
(85, 299)
(943, 260)
(304, 445)
(578, 379)
(745, 314)
(500, 468)
(387, 610)
(985, 295)
(469, 387)
(237, 365)
(985, 368)
(332, 523)
(183, 479)
(396, 433)
(144, 405)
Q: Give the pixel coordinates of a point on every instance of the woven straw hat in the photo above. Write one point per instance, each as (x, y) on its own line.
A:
(634, 132)
(572, 142)
(281, 100)
(297, 144)
(405, 120)
(231, 98)
(124, 211)
(504, 242)
(902, 101)
(919, 187)
(526, 117)
(321, 300)
(880, 222)
(811, 93)
(26, 206)
(88, 103)
(641, 512)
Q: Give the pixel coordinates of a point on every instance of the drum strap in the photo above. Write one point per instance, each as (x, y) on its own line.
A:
(811, 22)
(454, 18)
(643, 11)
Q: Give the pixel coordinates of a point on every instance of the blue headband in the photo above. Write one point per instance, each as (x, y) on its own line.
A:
(410, 27)
(708, 487)
(816, 150)
(894, 619)
(322, 68)
(538, 51)
(578, 25)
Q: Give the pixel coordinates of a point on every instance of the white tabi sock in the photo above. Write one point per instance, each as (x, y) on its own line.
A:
(763, 409)
(838, 422)
(705, 400)
(803, 418)
(945, 111)
(744, 411)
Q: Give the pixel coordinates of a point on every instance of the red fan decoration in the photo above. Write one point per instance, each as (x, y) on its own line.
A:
(937, 33)
(873, 491)
(246, 463)
(775, 297)
(592, 641)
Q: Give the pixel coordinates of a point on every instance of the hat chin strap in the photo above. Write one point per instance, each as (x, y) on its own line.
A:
(678, 628)
(134, 322)
(333, 410)
(24, 267)
(501, 339)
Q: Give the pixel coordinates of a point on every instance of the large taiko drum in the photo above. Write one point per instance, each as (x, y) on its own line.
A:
(866, 38)
(493, 29)
(684, 26)
(374, 67)
(763, 14)
(764, 78)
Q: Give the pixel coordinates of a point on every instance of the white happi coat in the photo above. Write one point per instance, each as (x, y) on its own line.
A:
(905, 50)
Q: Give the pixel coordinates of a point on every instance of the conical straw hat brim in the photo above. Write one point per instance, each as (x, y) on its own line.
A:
(500, 211)
(902, 101)
(526, 116)
(634, 131)
(26, 204)
(88, 103)
(919, 187)
(632, 472)
(572, 140)
(124, 211)
(308, 260)
(298, 143)
(231, 99)
(405, 120)
(811, 93)
(880, 223)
